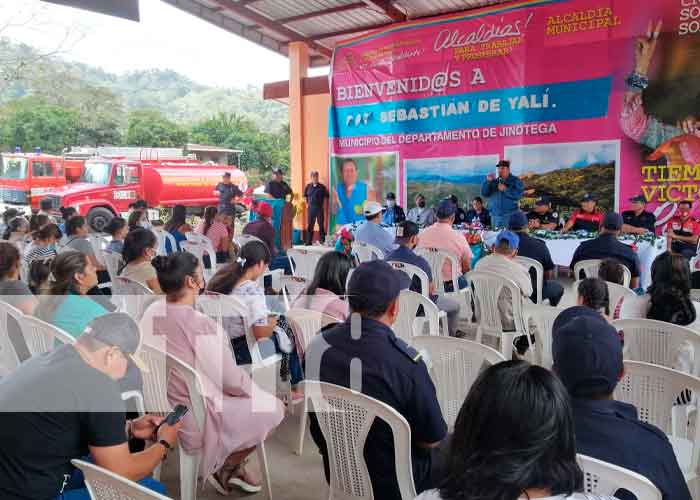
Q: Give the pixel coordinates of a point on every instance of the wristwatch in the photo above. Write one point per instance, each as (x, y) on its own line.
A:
(167, 447)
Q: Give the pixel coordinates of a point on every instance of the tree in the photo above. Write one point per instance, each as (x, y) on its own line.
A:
(31, 123)
(149, 128)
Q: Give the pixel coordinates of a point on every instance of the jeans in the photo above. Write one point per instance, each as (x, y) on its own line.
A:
(451, 307)
(267, 348)
(500, 221)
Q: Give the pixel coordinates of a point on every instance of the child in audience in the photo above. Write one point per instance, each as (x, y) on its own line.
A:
(212, 227)
(496, 454)
(178, 227)
(326, 291)
(140, 248)
(44, 244)
(612, 271)
(38, 279)
(118, 230)
(236, 423)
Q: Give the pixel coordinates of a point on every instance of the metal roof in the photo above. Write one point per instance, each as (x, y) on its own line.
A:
(320, 23)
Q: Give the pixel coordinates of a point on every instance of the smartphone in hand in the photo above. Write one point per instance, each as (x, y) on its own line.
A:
(174, 416)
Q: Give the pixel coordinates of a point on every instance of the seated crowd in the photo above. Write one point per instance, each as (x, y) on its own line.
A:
(518, 431)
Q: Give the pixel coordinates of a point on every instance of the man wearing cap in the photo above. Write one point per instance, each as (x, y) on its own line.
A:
(371, 232)
(587, 354)
(502, 262)
(315, 195)
(262, 227)
(406, 241)
(365, 355)
(587, 218)
(478, 214)
(67, 404)
(504, 193)
(441, 236)
(606, 246)
(535, 249)
(682, 231)
(460, 214)
(227, 191)
(276, 187)
(638, 220)
(422, 214)
(393, 213)
(542, 216)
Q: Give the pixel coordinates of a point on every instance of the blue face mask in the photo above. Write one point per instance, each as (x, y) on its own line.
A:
(52, 247)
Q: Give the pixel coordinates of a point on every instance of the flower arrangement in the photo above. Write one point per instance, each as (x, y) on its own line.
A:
(343, 241)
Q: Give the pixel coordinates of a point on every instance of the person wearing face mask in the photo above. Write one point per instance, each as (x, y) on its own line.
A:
(139, 250)
(682, 231)
(421, 214)
(44, 244)
(393, 213)
(138, 219)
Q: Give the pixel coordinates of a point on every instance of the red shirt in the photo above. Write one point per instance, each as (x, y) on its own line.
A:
(688, 227)
(586, 221)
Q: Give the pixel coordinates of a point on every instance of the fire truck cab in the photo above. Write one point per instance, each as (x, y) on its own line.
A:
(26, 177)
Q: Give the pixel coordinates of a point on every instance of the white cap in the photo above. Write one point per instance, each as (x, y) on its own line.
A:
(372, 208)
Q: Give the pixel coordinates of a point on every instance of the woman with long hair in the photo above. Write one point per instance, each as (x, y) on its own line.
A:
(327, 288)
(12, 289)
(138, 219)
(669, 293)
(176, 225)
(43, 245)
(68, 305)
(233, 429)
(212, 227)
(513, 439)
(17, 230)
(140, 248)
(37, 221)
(77, 231)
(117, 228)
(612, 270)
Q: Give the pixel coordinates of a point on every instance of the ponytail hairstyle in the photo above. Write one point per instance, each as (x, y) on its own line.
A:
(50, 230)
(9, 259)
(331, 274)
(173, 271)
(115, 225)
(63, 269)
(611, 270)
(37, 221)
(39, 272)
(73, 224)
(14, 226)
(68, 212)
(135, 219)
(135, 245)
(670, 290)
(227, 277)
(594, 293)
(177, 218)
(209, 215)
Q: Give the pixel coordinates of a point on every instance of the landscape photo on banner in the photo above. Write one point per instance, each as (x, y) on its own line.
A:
(582, 96)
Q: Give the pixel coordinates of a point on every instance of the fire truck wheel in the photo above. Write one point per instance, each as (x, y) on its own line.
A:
(98, 218)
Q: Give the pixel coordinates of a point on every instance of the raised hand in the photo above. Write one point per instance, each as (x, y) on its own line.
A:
(645, 48)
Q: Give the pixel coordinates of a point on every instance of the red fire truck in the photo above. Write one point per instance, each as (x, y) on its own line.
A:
(25, 178)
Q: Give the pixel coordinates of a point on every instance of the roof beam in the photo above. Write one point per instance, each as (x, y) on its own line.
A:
(349, 31)
(324, 12)
(387, 8)
(270, 24)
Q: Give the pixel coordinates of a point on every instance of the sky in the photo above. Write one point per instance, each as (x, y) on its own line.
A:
(451, 168)
(166, 38)
(548, 157)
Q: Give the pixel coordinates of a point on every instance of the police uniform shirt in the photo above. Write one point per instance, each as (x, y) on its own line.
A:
(604, 247)
(647, 220)
(226, 193)
(391, 372)
(587, 221)
(549, 217)
(315, 195)
(461, 217)
(278, 189)
(610, 431)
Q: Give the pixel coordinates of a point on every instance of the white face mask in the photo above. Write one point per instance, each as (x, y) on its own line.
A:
(390, 203)
(145, 224)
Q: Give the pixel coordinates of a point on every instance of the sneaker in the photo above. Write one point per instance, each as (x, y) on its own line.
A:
(245, 482)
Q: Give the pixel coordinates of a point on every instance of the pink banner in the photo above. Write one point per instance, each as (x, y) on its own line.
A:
(431, 106)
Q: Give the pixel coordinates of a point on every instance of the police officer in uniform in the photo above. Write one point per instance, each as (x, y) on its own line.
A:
(638, 220)
(316, 195)
(277, 188)
(542, 216)
(587, 218)
(365, 355)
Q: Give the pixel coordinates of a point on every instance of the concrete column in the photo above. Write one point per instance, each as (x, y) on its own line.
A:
(298, 70)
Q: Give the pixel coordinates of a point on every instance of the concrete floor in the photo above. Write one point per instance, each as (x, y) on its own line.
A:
(293, 477)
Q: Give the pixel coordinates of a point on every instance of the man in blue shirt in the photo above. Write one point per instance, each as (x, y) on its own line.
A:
(393, 213)
(371, 232)
(587, 354)
(407, 239)
(504, 193)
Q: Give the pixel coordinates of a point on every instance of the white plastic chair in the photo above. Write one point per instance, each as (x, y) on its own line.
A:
(528, 264)
(99, 243)
(105, 485)
(242, 239)
(198, 248)
(543, 318)
(412, 271)
(366, 252)
(9, 360)
(695, 294)
(487, 288)
(112, 261)
(657, 342)
(616, 293)
(345, 417)
(292, 287)
(303, 262)
(41, 336)
(436, 258)
(654, 390)
(306, 324)
(590, 269)
(407, 325)
(164, 236)
(454, 364)
(604, 479)
(131, 296)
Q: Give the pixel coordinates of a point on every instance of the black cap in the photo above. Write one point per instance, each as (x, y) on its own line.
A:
(277, 170)
(406, 229)
(119, 330)
(638, 199)
(588, 197)
(390, 196)
(543, 201)
(445, 209)
(587, 353)
(612, 221)
(503, 163)
(517, 221)
(227, 174)
(374, 283)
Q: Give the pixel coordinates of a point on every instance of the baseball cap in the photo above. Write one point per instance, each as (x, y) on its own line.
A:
(509, 236)
(445, 209)
(227, 174)
(612, 221)
(372, 208)
(587, 354)
(518, 220)
(542, 201)
(314, 172)
(503, 163)
(264, 209)
(588, 197)
(119, 330)
(390, 196)
(638, 199)
(373, 283)
(277, 170)
(406, 229)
